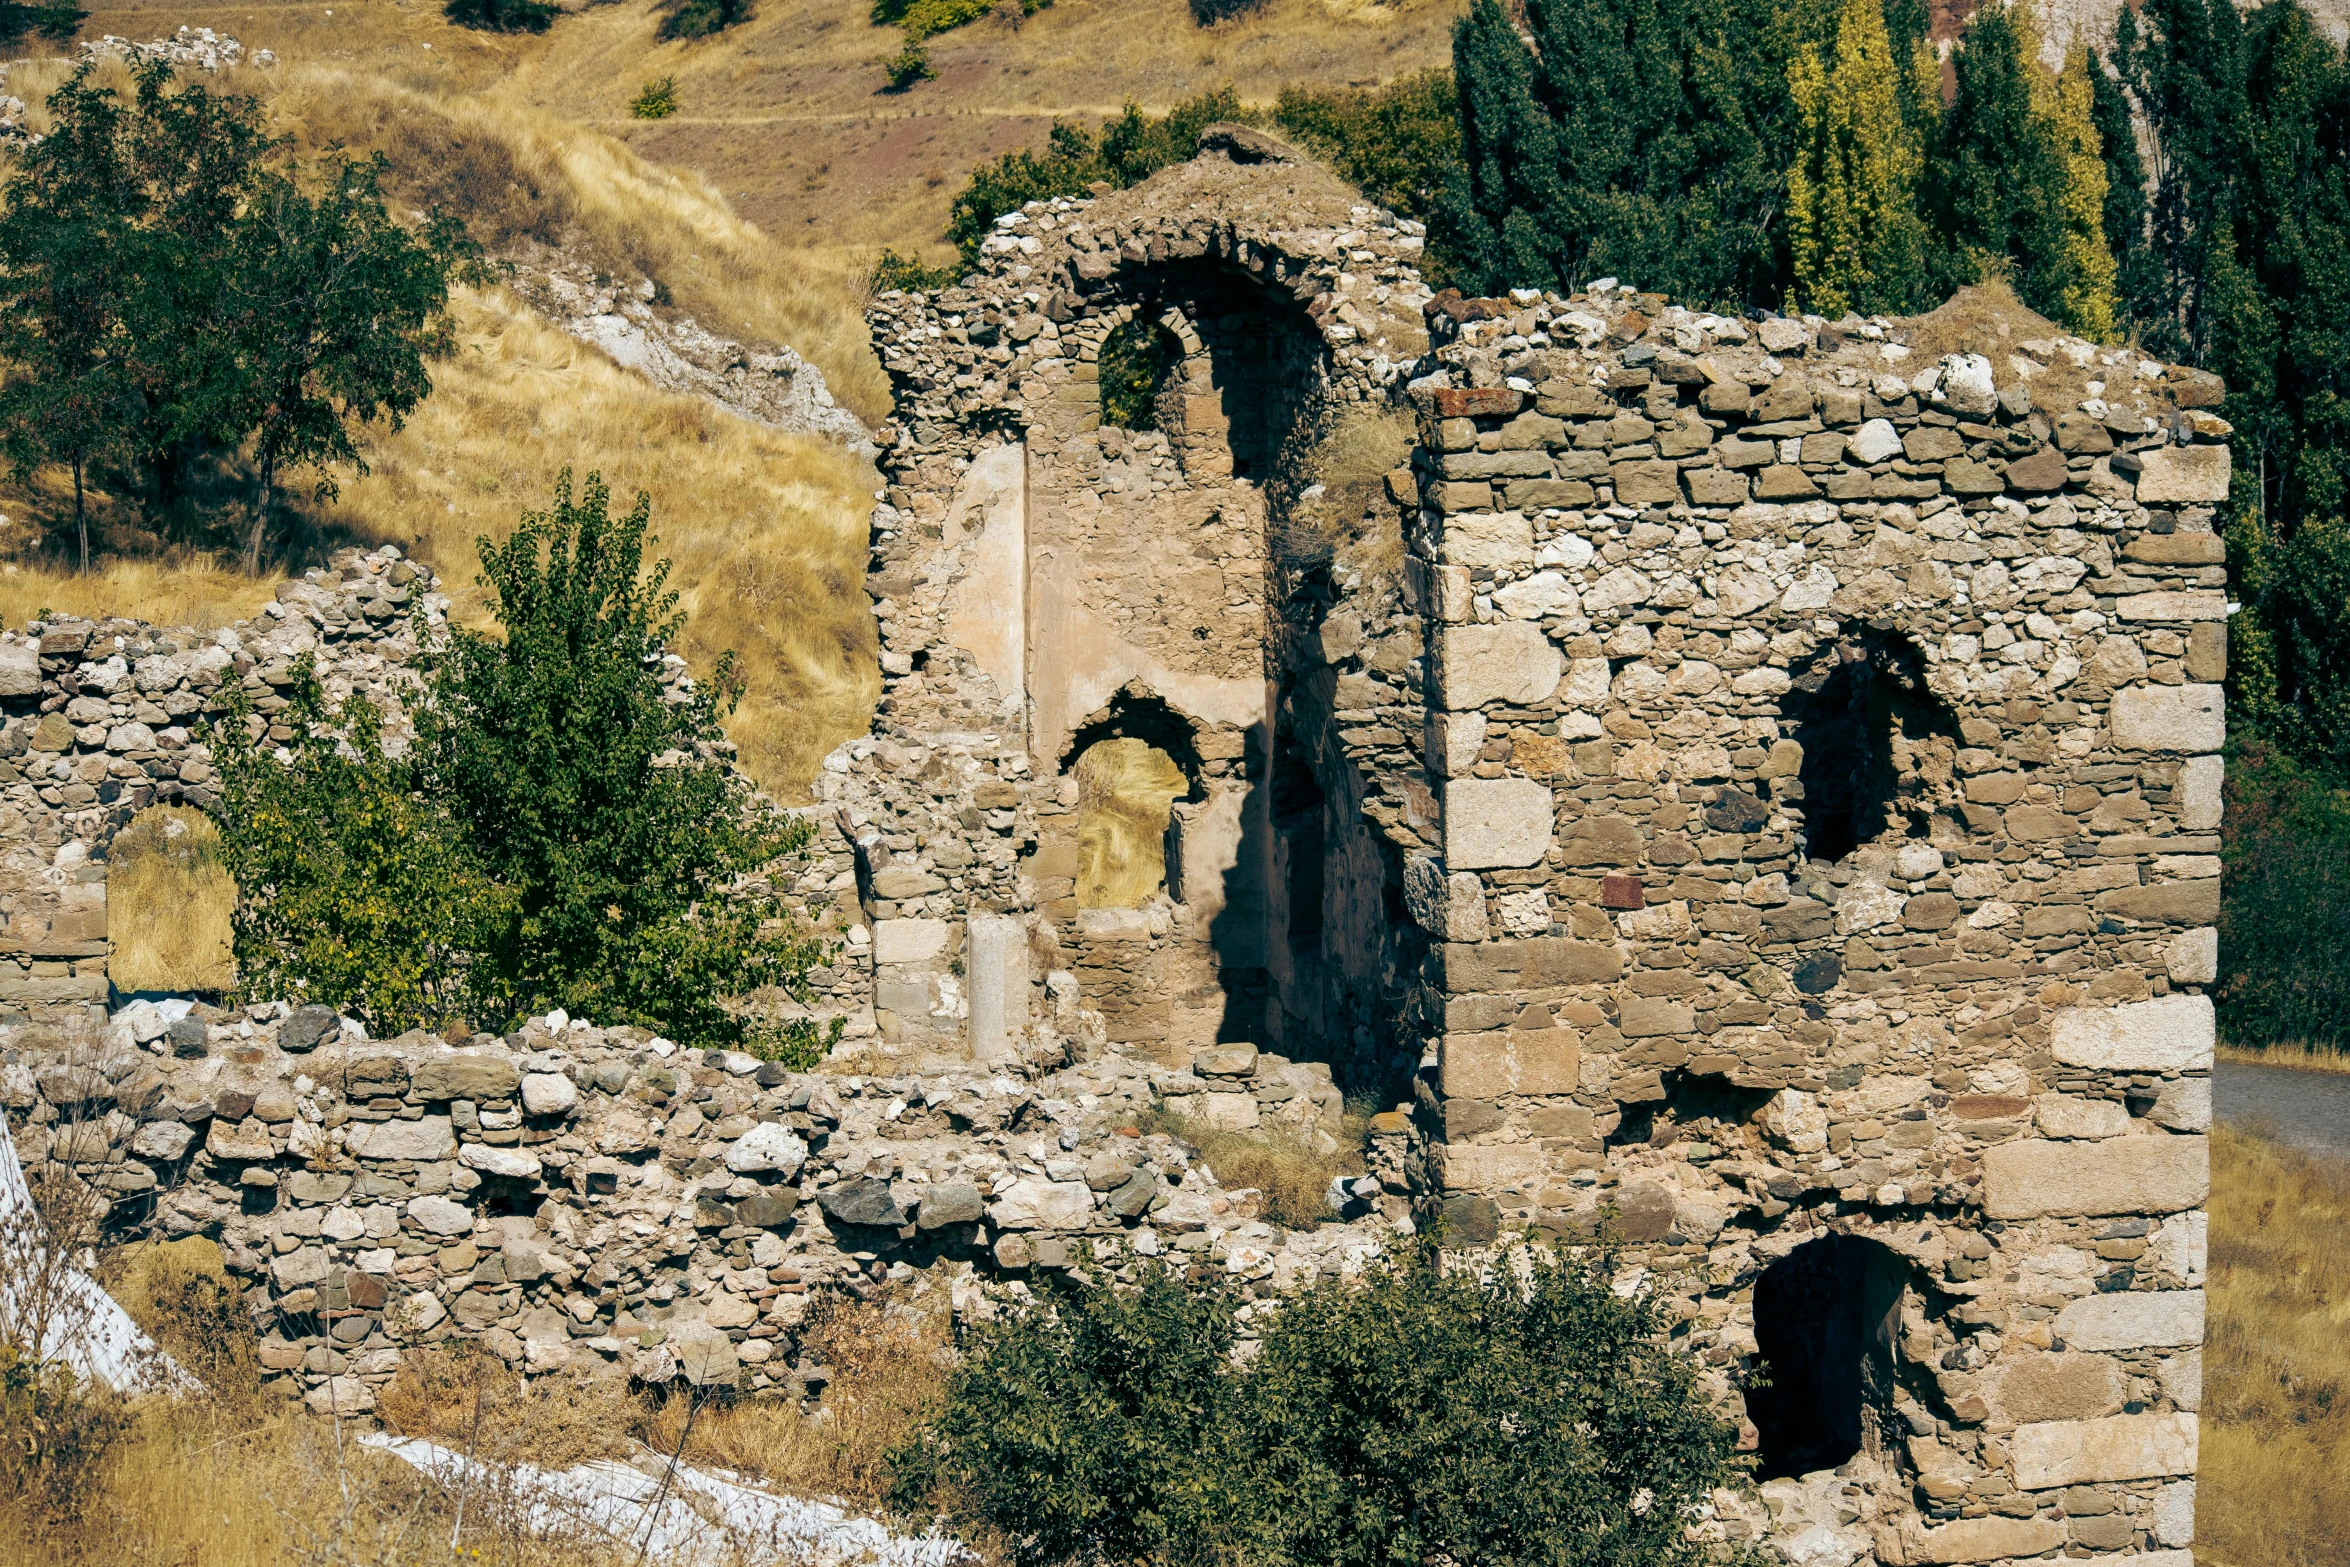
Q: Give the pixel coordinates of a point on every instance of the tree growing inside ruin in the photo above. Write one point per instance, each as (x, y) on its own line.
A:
(601, 801)
(1514, 1416)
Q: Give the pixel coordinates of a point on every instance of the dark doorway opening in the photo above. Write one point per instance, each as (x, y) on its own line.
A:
(1824, 1320)
(1878, 745)
(1298, 812)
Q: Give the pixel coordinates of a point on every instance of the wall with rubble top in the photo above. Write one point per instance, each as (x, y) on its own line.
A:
(598, 1202)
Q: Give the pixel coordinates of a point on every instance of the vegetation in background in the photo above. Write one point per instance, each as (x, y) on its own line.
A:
(701, 18)
(1852, 216)
(169, 904)
(57, 22)
(173, 284)
(896, 270)
(2286, 872)
(909, 65)
(502, 16)
(1398, 143)
(1519, 1415)
(561, 834)
(656, 100)
(1136, 360)
(1647, 142)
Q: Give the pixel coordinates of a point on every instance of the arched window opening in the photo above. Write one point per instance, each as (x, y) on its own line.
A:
(1880, 750)
(1825, 1316)
(1132, 762)
(1137, 360)
(1126, 793)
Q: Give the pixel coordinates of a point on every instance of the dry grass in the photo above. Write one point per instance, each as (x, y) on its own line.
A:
(889, 1359)
(767, 530)
(169, 900)
(1126, 791)
(2301, 1056)
(1292, 1166)
(2276, 1409)
(195, 591)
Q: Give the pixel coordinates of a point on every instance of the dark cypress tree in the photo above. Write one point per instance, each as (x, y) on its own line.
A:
(1503, 215)
(2136, 275)
(1995, 186)
(2184, 60)
(1667, 126)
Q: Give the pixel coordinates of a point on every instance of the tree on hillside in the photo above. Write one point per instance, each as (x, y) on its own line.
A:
(1852, 213)
(628, 846)
(56, 21)
(701, 18)
(2125, 181)
(336, 309)
(66, 240)
(178, 284)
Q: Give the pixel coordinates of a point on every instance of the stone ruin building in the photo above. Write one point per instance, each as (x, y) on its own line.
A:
(1750, 785)
(1752, 782)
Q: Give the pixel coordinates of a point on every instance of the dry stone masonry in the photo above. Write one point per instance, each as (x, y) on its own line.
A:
(1772, 810)
(1747, 785)
(598, 1202)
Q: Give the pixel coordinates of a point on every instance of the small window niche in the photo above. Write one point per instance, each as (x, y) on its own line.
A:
(1880, 749)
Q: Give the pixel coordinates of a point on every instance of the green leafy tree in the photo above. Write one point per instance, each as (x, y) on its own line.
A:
(1518, 1416)
(1400, 144)
(355, 888)
(634, 856)
(2286, 863)
(502, 16)
(1852, 215)
(55, 22)
(896, 269)
(702, 18)
(337, 308)
(67, 240)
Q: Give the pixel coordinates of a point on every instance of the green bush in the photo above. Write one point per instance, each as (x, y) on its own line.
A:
(1413, 1415)
(656, 100)
(561, 834)
(909, 65)
(702, 18)
(2284, 974)
(1398, 144)
(501, 16)
(896, 269)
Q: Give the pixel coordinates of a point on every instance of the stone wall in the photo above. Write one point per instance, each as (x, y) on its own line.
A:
(101, 719)
(1776, 803)
(598, 1202)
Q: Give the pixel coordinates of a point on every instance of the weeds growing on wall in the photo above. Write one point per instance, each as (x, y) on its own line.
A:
(1513, 1416)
